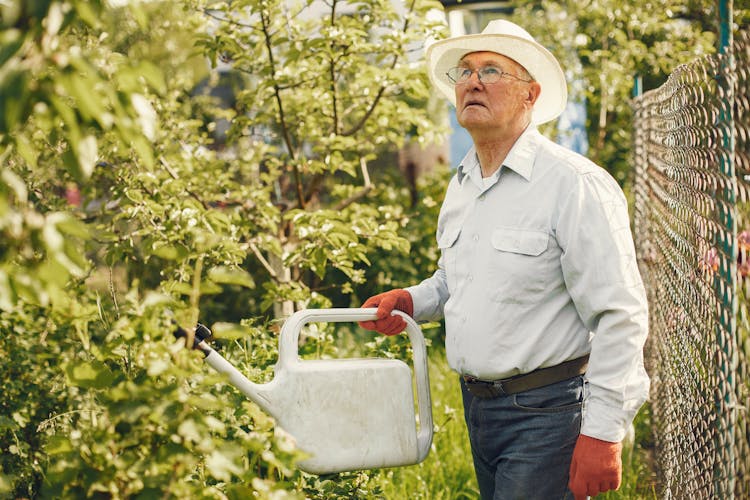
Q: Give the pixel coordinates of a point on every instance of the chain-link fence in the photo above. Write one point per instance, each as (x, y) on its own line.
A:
(692, 230)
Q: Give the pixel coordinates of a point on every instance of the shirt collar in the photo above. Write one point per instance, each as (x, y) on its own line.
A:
(520, 158)
(468, 165)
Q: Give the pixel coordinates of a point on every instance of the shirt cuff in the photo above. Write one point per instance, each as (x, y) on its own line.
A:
(423, 302)
(605, 423)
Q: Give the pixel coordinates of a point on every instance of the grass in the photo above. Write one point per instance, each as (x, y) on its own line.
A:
(448, 474)
(638, 476)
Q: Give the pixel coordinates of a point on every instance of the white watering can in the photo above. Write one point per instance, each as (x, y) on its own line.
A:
(347, 414)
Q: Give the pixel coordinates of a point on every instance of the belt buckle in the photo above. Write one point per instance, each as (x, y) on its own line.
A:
(482, 388)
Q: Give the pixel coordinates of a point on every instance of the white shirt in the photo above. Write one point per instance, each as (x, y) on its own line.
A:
(538, 267)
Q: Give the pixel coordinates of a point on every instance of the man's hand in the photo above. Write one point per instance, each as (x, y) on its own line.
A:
(596, 467)
(386, 303)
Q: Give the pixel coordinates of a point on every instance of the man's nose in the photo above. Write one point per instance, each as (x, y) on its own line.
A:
(474, 80)
(472, 84)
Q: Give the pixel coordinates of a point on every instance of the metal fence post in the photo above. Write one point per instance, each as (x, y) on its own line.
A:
(724, 466)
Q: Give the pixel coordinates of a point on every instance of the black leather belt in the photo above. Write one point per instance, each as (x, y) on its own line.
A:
(525, 382)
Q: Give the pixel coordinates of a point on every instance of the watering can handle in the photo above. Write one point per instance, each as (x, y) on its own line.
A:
(288, 355)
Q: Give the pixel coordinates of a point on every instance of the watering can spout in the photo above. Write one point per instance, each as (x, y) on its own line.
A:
(258, 393)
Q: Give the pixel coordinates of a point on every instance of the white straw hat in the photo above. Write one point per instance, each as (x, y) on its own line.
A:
(508, 39)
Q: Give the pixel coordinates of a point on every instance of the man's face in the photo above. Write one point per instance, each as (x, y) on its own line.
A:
(503, 105)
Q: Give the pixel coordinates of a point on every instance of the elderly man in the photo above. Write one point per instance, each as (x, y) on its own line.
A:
(544, 308)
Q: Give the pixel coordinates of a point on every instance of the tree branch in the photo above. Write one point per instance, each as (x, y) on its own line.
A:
(356, 127)
(174, 175)
(210, 13)
(313, 186)
(332, 72)
(265, 22)
(366, 188)
(361, 123)
(292, 86)
(262, 259)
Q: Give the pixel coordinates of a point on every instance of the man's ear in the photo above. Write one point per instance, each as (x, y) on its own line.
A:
(534, 90)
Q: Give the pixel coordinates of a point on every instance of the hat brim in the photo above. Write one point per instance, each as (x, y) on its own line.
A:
(538, 61)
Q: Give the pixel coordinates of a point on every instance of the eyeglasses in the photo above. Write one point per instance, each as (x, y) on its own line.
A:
(486, 75)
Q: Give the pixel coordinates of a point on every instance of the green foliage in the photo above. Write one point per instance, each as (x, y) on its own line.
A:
(72, 93)
(38, 253)
(327, 89)
(605, 44)
(418, 223)
(125, 412)
(125, 211)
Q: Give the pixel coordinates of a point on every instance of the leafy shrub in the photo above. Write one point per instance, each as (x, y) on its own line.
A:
(124, 214)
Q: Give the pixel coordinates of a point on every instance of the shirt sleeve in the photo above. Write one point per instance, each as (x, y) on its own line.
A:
(430, 295)
(602, 277)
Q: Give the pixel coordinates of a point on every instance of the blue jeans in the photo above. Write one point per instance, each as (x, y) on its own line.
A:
(522, 444)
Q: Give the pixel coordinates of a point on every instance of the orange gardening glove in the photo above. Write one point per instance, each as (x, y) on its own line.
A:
(386, 323)
(596, 467)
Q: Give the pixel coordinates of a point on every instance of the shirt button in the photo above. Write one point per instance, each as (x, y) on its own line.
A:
(481, 198)
(476, 237)
(470, 278)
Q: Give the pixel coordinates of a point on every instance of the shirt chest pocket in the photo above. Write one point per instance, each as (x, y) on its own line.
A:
(519, 264)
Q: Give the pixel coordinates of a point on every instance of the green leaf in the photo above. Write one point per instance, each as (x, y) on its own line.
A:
(169, 252)
(230, 331)
(154, 299)
(210, 288)
(74, 258)
(146, 115)
(182, 288)
(189, 430)
(91, 375)
(157, 366)
(134, 195)
(153, 76)
(14, 107)
(88, 101)
(144, 150)
(54, 20)
(6, 483)
(221, 465)
(86, 152)
(15, 183)
(26, 290)
(318, 261)
(67, 114)
(10, 41)
(71, 226)
(10, 13)
(71, 164)
(53, 273)
(231, 276)
(26, 151)
(87, 12)
(7, 295)
(57, 444)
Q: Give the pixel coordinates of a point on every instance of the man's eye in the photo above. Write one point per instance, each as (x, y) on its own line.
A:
(491, 71)
(465, 73)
